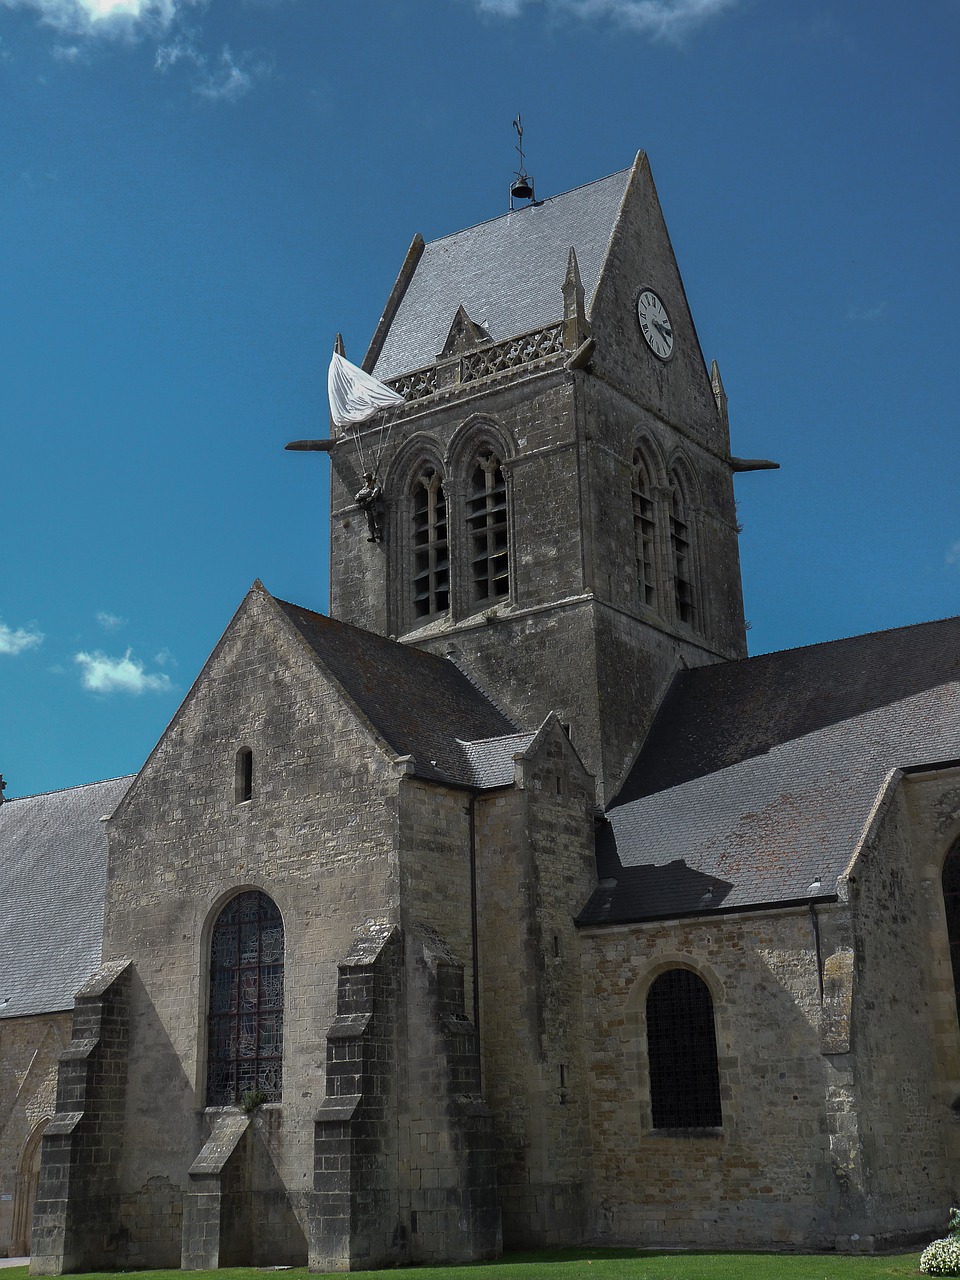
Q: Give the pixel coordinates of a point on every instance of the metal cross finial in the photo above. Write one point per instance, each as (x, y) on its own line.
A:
(522, 187)
(2, 788)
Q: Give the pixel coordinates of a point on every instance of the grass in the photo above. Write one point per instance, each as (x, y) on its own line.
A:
(595, 1264)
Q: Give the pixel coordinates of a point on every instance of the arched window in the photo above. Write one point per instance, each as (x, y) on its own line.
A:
(644, 532)
(245, 1041)
(431, 555)
(487, 525)
(682, 1052)
(951, 902)
(684, 594)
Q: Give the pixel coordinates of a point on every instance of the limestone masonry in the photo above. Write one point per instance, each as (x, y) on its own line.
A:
(511, 904)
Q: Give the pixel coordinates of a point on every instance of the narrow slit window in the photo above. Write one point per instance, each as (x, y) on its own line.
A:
(682, 1052)
(244, 783)
(431, 554)
(487, 526)
(245, 1025)
(644, 533)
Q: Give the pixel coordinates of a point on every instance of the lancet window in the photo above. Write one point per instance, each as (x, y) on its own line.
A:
(243, 787)
(644, 532)
(682, 552)
(951, 901)
(682, 1053)
(487, 527)
(245, 1025)
(431, 552)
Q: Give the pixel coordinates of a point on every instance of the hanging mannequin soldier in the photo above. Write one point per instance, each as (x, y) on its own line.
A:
(370, 498)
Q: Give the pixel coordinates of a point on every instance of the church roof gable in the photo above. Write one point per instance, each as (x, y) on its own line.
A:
(53, 864)
(421, 705)
(757, 777)
(507, 273)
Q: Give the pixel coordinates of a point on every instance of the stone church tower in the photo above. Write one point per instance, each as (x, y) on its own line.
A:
(378, 981)
(558, 488)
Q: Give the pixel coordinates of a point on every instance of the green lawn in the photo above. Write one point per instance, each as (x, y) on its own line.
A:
(596, 1264)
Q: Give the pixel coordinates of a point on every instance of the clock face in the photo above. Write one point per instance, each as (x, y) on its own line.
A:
(655, 324)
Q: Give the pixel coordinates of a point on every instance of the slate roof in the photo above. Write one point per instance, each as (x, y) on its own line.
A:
(53, 862)
(758, 777)
(421, 705)
(508, 273)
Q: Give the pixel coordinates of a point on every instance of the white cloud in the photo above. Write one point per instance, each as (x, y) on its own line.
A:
(104, 17)
(660, 19)
(866, 315)
(102, 674)
(13, 641)
(232, 77)
(182, 49)
(953, 554)
(110, 621)
(227, 79)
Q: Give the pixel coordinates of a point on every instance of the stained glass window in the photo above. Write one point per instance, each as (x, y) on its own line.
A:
(682, 1050)
(245, 1048)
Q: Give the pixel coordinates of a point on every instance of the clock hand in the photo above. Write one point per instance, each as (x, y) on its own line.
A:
(665, 332)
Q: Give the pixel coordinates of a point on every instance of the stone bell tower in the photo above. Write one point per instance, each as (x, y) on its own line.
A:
(558, 501)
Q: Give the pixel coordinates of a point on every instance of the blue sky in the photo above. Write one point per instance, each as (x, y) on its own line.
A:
(196, 195)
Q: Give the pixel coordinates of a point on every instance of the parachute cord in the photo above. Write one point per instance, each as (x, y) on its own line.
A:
(363, 461)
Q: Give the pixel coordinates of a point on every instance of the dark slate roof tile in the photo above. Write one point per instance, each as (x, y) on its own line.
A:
(507, 273)
(52, 883)
(421, 705)
(492, 759)
(757, 777)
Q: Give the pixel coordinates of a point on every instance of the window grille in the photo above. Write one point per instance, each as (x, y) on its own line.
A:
(245, 1026)
(682, 1051)
(487, 523)
(431, 557)
(951, 902)
(682, 561)
(644, 533)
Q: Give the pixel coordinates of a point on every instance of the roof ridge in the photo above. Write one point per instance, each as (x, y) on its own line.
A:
(823, 644)
(472, 679)
(79, 786)
(510, 213)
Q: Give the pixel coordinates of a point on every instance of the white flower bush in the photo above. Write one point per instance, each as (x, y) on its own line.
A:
(942, 1258)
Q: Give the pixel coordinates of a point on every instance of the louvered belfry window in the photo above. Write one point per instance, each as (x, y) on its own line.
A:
(682, 1051)
(431, 555)
(245, 1047)
(682, 561)
(487, 524)
(951, 902)
(644, 533)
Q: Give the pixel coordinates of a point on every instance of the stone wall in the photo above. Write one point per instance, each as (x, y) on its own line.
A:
(317, 836)
(764, 1180)
(30, 1048)
(904, 1155)
(76, 1223)
(535, 870)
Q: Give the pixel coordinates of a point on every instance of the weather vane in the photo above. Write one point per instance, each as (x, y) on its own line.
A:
(522, 187)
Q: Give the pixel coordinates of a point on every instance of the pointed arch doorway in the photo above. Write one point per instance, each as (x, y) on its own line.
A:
(25, 1192)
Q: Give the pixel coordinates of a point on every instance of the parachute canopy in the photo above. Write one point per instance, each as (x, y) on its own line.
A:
(354, 395)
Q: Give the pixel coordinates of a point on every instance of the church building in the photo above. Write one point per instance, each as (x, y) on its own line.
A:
(512, 904)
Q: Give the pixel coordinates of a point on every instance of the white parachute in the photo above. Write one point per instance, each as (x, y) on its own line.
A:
(355, 396)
